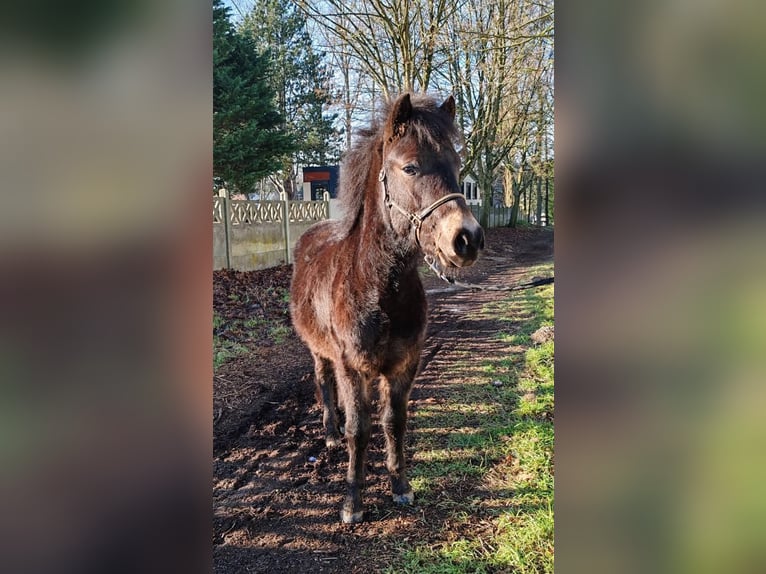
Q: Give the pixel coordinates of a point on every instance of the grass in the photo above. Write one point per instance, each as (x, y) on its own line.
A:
(278, 333)
(234, 337)
(484, 454)
(249, 332)
(225, 351)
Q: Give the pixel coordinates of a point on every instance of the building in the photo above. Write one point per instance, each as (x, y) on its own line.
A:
(317, 180)
(471, 191)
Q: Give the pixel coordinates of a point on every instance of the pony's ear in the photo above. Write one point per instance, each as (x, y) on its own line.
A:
(400, 115)
(449, 106)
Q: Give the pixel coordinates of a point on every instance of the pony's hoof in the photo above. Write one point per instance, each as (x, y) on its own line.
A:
(332, 442)
(351, 517)
(406, 498)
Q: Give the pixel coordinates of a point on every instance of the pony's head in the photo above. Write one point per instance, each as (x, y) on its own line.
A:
(419, 180)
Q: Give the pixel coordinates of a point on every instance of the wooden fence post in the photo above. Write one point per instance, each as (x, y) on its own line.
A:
(326, 199)
(226, 216)
(286, 215)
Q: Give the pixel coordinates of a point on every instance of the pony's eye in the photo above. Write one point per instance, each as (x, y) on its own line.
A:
(410, 169)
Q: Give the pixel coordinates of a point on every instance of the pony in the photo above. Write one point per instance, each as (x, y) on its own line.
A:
(357, 300)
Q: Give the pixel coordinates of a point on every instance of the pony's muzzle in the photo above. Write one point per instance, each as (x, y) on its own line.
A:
(460, 244)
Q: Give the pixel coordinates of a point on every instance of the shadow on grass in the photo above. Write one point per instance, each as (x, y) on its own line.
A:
(482, 438)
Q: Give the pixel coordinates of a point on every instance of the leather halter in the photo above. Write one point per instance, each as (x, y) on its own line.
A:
(415, 217)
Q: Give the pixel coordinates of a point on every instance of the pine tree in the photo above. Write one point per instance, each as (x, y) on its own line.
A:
(249, 136)
(300, 80)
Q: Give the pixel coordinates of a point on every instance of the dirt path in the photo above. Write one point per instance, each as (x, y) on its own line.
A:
(276, 489)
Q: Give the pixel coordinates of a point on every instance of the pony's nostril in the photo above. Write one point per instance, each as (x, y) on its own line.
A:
(461, 243)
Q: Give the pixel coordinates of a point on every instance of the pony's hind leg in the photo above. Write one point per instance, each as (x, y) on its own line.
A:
(325, 380)
(395, 394)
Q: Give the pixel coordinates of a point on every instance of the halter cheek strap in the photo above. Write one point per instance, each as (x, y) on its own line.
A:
(415, 217)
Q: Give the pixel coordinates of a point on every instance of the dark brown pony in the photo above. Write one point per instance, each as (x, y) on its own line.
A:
(357, 300)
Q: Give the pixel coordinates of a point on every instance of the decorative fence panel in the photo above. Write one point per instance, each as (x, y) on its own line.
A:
(218, 209)
(250, 235)
(309, 211)
(245, 212)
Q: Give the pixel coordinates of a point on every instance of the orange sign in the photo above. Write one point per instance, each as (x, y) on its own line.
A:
(316, 176)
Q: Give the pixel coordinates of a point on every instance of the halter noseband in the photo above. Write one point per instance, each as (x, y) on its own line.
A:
(415, 217)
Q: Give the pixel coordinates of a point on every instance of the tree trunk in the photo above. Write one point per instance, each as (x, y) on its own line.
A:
(508, 188)
(289, 188)
(539, 210)
(484, 181)
(347, 99)
(516, 189)
(514, 210)
(540, 165)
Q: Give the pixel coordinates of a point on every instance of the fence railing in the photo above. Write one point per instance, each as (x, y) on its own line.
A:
(249, 235)
(244, 212)
(498, 216)
(501, 216)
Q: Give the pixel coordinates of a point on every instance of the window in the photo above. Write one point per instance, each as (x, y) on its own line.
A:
(469, 189)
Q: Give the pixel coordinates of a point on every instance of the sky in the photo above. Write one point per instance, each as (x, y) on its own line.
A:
(234, 12)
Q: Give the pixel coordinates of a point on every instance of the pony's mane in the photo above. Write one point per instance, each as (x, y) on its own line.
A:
(428, 124)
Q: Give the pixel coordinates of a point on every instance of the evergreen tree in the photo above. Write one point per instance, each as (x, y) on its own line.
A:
(300, 80)
(249, 136)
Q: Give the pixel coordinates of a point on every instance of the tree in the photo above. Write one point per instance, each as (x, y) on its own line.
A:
(496, 70)
(349, 84)
(532, 161)
(249, 137)
(300, 81)
(395, 42)
(493, 55)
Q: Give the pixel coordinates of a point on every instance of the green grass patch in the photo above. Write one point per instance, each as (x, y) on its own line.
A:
(525, 541)
(278, 333)
(224, 350)
(234, 337)
(484, 454)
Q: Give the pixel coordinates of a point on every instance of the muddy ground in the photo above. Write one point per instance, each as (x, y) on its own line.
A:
(276, 488)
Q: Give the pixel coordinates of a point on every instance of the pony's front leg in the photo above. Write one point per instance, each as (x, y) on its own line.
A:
(356, 400)
(395, 394)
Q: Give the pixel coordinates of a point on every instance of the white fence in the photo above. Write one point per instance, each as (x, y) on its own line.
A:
(501, 216)
(250, 235)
